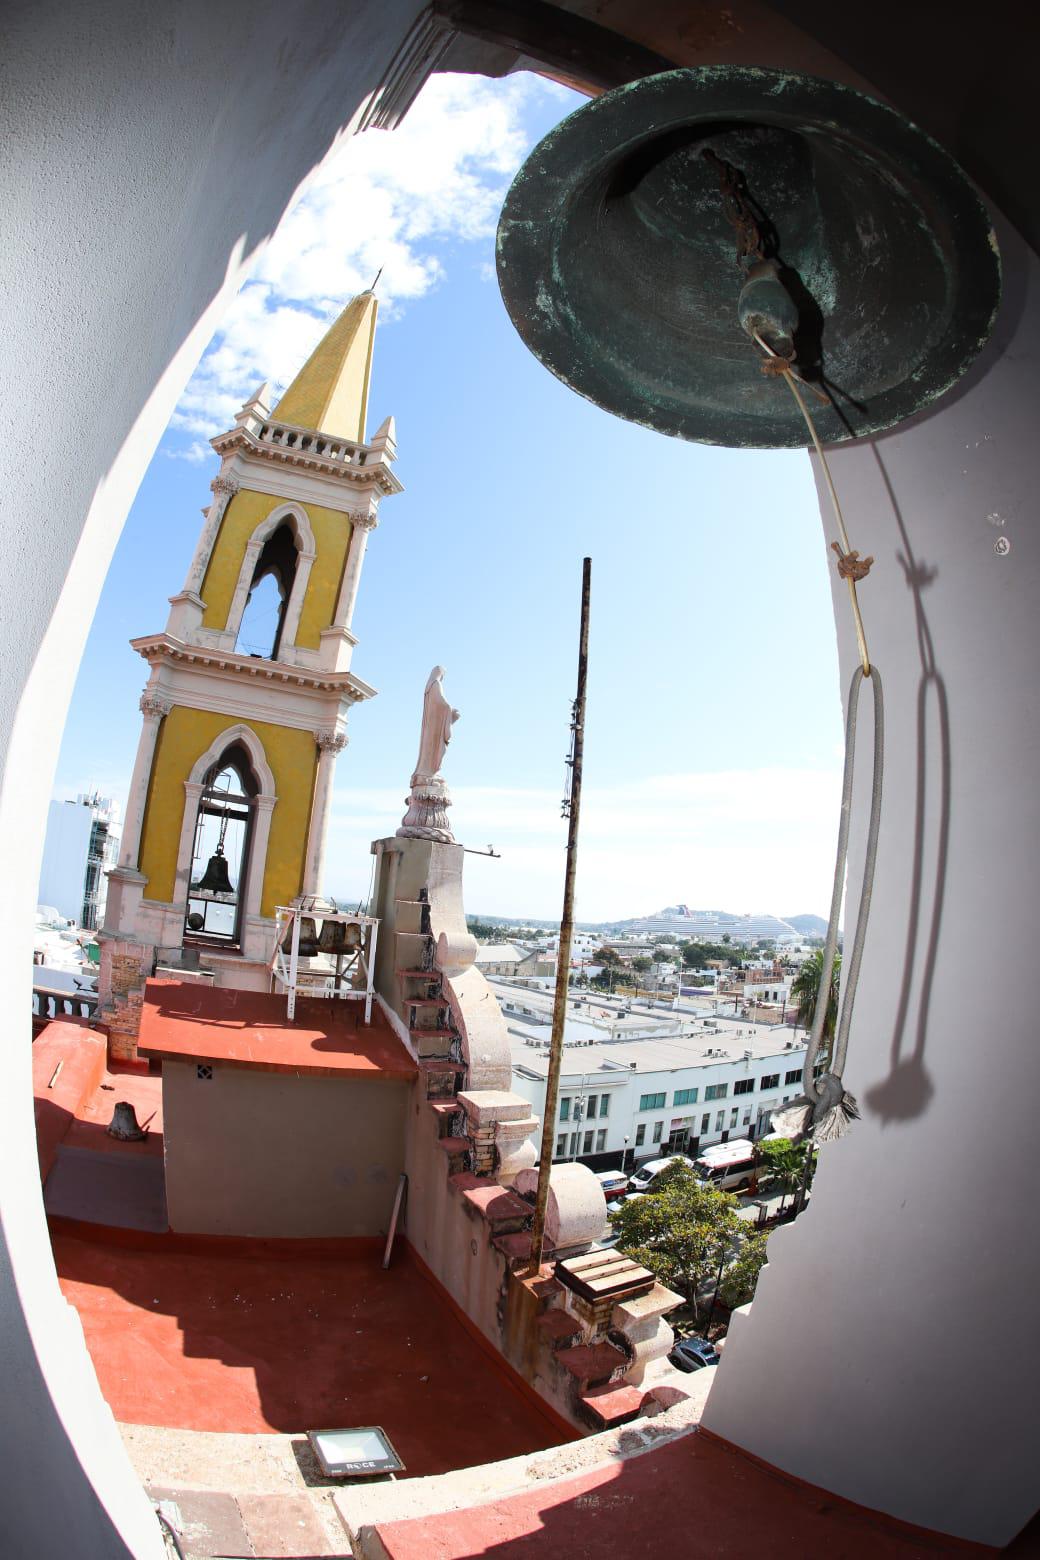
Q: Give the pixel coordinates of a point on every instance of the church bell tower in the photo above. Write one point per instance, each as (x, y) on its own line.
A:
(250, 686)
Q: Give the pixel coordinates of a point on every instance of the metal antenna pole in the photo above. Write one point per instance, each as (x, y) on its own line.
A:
(572, 809)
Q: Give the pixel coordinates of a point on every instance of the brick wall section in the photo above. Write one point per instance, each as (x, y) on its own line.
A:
(125, 966)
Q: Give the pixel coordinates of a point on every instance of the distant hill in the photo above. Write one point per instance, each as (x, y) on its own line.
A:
(808, 925)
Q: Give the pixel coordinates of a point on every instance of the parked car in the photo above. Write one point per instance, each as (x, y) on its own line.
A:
(646, 1175)
(613, 1182)
(691, 1354)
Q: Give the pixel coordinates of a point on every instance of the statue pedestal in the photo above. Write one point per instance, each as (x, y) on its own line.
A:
(427, 815)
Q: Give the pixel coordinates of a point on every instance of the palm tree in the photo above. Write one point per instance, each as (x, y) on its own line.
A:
(805, 990)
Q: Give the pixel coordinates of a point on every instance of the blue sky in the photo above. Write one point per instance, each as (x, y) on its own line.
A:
(713, 737)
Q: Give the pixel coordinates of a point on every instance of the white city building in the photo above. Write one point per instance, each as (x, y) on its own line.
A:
(81, 844)
(634, 1086)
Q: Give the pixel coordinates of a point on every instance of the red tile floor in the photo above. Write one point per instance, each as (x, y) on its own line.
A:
(222, 1340)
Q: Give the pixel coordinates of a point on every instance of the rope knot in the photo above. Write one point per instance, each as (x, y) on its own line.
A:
(775, 365)
(850, 565)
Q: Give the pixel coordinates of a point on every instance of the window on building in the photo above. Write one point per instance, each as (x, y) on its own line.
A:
(591, 1111)
(794, 1076)
(565, 1109)
(604, 1105)
(260, 630)
(601, 1140)
(561, 1146)
(770, 1081)
(651, 1102)
(587, 1148)
(744, 1086)
(641, 1134)
(734, 1113)
(705, 1124)
(747, 1116)
(716, 1091)
(574, 1144)
(720, 1120)
(658, 1130)
(684, 1097)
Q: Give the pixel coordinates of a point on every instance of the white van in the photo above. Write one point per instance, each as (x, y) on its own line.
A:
(729, 1167)
(648, 1173)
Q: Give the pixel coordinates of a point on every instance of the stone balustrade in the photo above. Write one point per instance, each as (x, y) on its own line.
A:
(305, 441)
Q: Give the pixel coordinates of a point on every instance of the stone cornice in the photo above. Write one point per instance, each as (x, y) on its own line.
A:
(164, 647)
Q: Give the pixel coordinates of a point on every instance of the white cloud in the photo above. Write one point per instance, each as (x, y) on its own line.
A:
(380, 200)
(739, 840)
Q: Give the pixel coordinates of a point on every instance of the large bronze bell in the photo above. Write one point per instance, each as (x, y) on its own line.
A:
(339, 937)
(623, 263)
(215, 879)
(308, 948)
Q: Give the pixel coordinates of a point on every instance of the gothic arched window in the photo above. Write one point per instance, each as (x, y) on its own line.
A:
(220, 859)
(263, 619)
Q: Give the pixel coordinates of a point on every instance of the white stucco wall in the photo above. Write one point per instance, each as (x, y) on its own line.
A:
(146, 154)
(281, 1156)
(891, 1354)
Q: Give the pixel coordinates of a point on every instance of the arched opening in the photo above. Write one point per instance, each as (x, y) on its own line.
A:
(220, 856)
(260, 631)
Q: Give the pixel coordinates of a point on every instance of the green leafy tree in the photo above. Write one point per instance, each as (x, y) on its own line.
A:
(607, 956)
(683, 1230)
(740, 1278)
(785, 1163)
(805, 989)
(642, 964)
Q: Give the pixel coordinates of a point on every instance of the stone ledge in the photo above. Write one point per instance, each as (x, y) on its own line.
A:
(363, 1509)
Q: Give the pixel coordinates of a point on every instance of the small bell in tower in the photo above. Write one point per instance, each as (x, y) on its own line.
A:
(215, 879)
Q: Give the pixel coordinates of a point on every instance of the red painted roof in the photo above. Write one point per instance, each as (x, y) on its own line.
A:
(182, 1021)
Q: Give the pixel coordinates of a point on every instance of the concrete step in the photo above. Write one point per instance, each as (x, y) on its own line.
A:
(501, 1208)
(515, 1248)
(458, 1150)
(432, 1044)
(593, 1364)
(556, 1325)
(605, 1407)
(447, 1112)
(442, 1075)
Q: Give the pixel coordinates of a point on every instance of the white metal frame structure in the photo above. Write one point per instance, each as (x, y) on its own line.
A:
(337, 982)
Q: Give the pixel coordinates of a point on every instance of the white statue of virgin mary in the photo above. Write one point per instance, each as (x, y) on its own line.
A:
(437, 721)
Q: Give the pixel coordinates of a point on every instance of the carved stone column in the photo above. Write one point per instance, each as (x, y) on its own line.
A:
(224, 490)
(153, 708)
(361, 524)
(330, 744)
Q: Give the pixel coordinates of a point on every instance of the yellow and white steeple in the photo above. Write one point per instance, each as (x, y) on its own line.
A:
(296, 496)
